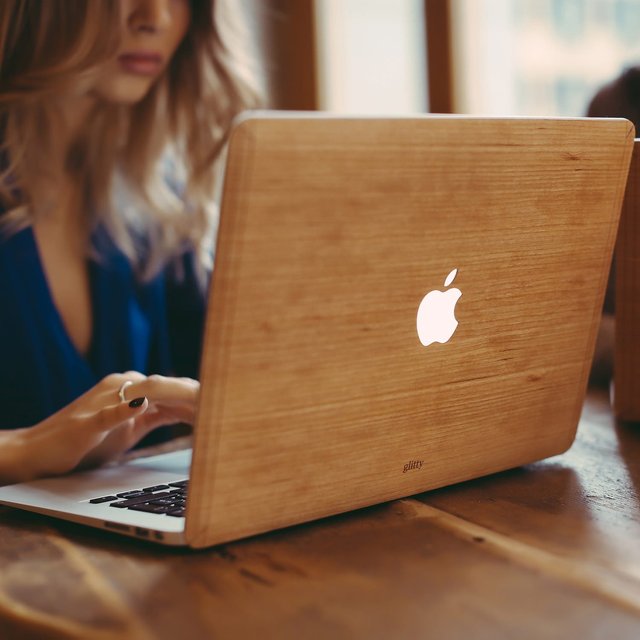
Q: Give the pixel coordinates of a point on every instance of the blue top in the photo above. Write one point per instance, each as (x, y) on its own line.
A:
(152, 327)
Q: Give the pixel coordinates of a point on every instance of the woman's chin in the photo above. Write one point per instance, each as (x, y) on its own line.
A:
(127, 91)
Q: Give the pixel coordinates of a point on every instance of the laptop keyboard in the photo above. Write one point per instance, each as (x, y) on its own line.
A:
(164, 499)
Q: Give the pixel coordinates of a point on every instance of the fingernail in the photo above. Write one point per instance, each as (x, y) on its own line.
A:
(137, 402)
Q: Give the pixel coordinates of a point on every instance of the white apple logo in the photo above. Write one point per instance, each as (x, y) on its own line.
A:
(436, 320)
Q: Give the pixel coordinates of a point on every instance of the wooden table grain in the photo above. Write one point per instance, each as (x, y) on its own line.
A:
(545, 551)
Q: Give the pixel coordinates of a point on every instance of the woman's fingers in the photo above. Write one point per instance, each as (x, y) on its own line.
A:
(110, 417)
(159, 417)
(167, 391)
(157, 388)
(130, 432)
(108, 388)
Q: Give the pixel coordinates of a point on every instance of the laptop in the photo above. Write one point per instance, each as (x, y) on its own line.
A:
(397, 304)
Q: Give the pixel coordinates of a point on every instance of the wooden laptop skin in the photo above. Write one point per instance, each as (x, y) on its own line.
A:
(627, 283)
(317, 394)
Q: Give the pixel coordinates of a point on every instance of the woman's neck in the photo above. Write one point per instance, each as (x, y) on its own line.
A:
(59, 189)
(73, 119)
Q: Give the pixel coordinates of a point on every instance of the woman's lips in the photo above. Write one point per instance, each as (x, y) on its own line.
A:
(142, 63)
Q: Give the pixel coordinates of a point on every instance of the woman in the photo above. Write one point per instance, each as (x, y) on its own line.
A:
(104, 244)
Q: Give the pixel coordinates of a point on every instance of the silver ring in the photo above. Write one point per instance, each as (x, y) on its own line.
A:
(125, 384)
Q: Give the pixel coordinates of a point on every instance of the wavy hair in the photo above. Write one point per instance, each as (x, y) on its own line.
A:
(163, 151)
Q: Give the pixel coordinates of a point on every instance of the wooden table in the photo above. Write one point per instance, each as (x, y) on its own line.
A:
(547, 551)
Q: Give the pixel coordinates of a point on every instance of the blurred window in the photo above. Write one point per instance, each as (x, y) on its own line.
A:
(627, 20)
(371, 56)
(569, 18)
(540, 57)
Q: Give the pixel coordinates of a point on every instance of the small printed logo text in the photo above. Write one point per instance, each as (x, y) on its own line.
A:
(413, 464)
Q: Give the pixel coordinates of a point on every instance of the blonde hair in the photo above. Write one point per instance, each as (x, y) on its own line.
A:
(51, 47)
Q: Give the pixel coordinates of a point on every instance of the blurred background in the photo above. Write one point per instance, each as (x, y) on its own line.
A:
(498, 57)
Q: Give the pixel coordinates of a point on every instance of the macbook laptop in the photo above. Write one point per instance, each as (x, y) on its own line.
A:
(397, 304)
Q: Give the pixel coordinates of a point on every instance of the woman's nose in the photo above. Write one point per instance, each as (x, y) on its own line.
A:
(150, 15)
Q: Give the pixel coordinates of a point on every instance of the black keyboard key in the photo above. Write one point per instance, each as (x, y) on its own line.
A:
(149, 508)
(176, 513)
(145, 497)
(182, 483)
(130, 494)
(103, 499)
(163, 501)
(158, 487)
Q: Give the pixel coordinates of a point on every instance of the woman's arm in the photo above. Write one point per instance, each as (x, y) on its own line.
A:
(12, 458)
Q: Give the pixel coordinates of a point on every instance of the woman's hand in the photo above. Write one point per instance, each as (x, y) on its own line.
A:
(168, 400)
(97, 425)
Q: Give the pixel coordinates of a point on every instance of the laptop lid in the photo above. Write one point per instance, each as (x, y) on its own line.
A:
(329, 380)
(318, 393)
